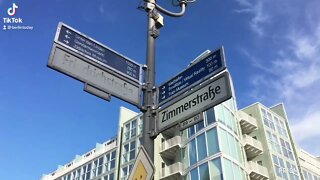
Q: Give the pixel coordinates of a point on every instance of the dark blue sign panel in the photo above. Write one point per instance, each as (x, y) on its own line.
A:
(107, 57)
(195, 74)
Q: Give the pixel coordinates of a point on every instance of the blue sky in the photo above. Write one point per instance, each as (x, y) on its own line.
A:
(272, 50)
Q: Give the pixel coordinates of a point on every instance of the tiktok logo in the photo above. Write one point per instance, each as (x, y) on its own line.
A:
(12, 22)
(12, 10)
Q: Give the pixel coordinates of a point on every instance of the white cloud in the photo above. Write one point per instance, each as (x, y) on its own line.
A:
(105, 12)
(307, 127)
(301, 72)
(101, 8)
(244, 2)
(306, 46)
(259, 16)
(312, 147)
(292, 75)
(254, 61)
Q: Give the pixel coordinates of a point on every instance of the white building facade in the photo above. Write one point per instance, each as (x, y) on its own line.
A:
(227, 144)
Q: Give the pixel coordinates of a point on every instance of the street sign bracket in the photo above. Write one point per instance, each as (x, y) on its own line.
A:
(97, 92)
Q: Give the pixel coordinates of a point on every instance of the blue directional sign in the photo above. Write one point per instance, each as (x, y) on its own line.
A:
(97, 52)
(201, 70)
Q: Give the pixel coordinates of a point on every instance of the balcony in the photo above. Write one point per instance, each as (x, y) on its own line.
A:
(171, 172)
(170, 147)
(247, 123)
(170, 132)
(257, 172)
(252, 146)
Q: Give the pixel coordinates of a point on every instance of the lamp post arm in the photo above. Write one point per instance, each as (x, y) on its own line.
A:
(183, 5)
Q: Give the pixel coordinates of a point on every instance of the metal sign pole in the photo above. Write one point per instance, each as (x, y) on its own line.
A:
(149, 103)
(155, 21)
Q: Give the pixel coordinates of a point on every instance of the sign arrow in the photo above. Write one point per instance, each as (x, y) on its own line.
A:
(109, 58)
(200, 70)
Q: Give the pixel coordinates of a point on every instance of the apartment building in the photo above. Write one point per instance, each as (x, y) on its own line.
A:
(227, 144)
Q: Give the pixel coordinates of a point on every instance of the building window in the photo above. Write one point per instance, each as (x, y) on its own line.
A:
(200, 125)
(124, 172)
(277, 123)
(271, 123)
(283, 129)
(212, 139)
(100, 166)
(215, 169)
(228, 171)
(133, 128)
(86, 172)
(76, 174)
(267, 119)
(226, 117)
(68, 177)
(193, 152)
(210, 116)
(273, 142)
(230, 104)
(126, 132)
(191, 131)
(130, 130)
(229, 119)
(210, 170)
(204, 171)
(279, 167)
(125, 153)
(309, 175)
(110, 161)
(286, 149)
(280, 126)
(132, 150)
(185, 158)
(229, 144)
(283, 168)
(107, 162)
(305, 175)
(113, 160)
(109, 177)
(202, 147)
(233, 147)
(194, 173)
(97, 168)
(223, 139)
(232, 171)
(293, 171)
(129, 150)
